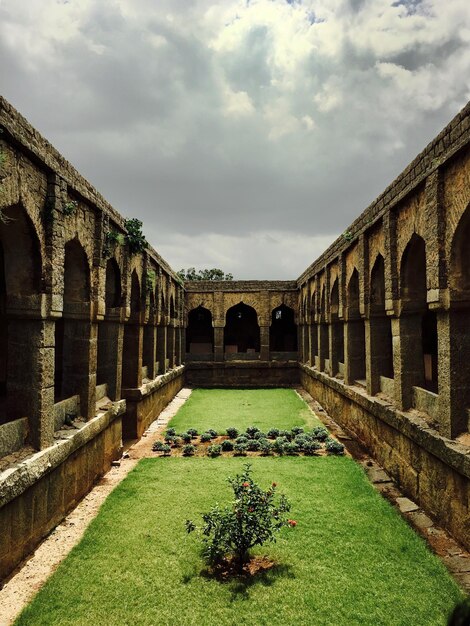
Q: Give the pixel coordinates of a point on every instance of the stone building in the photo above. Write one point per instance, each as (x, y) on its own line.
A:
(97, 333)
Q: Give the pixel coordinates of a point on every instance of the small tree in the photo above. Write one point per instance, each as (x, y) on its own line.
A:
(253, 518)
(205, 274)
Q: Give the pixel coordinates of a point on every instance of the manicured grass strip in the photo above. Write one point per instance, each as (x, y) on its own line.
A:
(265, 408)
(350, 560)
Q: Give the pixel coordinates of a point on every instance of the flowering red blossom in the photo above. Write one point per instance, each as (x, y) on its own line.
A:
(274, 485)
(292, 522)
(245, 484)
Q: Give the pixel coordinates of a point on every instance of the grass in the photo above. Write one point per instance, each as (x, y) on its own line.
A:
(264, 408)
(350, 560)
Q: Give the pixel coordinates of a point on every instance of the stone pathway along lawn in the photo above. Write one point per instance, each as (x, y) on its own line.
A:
(350, 560)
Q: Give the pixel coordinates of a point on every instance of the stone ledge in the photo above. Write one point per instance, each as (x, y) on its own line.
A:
(18, 478)
(193, 365)
(454, 454)
(154, 385)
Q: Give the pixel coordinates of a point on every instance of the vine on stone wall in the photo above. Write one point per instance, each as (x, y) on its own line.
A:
(69, 208)
(112, 239)
(150, 281)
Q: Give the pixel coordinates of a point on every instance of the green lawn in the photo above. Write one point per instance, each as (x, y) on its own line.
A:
(350, 560)
(264, 408)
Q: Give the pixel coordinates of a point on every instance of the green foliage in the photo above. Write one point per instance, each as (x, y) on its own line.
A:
(240, 449)
(334, 447)
(112, 239)
(348, 235)
(70, 207)
(206, 274)
(310, 447)
(166, 450)
(171, 431)
(158, 446)
(291, 448)
(320, 433)
(214, 450)
(251, 431)
(241, 439)
(297, 430)
(212, 432)
(265, 447)
(251, 519)
(279, 445)
(227, 445)
(186, 437)
(134, 237)
(273, 433)
(193, 432)
(232, 432)
(253, 445)
(189, 449)
(205, 437)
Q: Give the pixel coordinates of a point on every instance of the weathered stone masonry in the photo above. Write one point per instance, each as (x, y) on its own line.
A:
(377, 329)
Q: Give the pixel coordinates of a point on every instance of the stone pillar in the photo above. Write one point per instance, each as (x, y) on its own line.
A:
(313, 343)
(218, 343)
(132, 356)
(264, 343)
(377, 351)
(161, 348)
(354, 357)
(30, 386)
(170, 346)
(408, 363)
(334, 345)
(110, 338)
(323, 347)
(177, 345)
(454, 367)
(150, 350)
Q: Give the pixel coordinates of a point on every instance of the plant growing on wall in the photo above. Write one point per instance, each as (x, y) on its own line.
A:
(205, 274)
(254, 517)
(69, 208)
(150, 281)
(134, 237)
(112, 239)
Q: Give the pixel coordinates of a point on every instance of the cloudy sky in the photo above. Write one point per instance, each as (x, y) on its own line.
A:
(245, 134)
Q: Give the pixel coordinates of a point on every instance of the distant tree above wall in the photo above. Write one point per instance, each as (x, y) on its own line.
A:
(206, 274)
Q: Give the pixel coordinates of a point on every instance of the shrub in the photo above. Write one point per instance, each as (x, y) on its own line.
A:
(334, 447)
(214, 450)
(259, 435)
(240, 449)
(265, 447)
(279, 445)
(193, 432)
(205, 437)
(212, 433)
(273, 433)
(311, 447)
(186, 437)
(189, 449)
(171, 432)
(169, 439)
(251, 431)
(297, 430)
(286, 434)
(176, 442)
(157, 446)
(320, 433)
(241, 439)
(253, 445)
(227, 445)
(300, 441)
(291, 448)
(134, 236)
(251, 519)
(232, 432)
(166, 450)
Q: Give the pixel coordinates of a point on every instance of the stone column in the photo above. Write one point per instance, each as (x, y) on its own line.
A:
(454, 366)
(170, 347)
(161, 348)
(408, 363)
(264, 343)
(218, 341)
(30, 385)
(334, 341)
(313, 343)
(177, 345)
(323, 346)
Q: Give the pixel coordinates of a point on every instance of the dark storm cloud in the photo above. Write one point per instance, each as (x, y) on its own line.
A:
(243, 134)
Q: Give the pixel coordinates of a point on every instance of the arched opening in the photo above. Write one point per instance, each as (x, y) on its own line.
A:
(108, 335)
(242, 333)
(162, 336)
(423, 324)
(20, 278)
(131, 352)
(283, 332)
(149, 352)
(171, 344)
(337, 333)
(200, 334)
(456, 373)
(323, 348)
(380, 331)
(356, 340)
(72, 331)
